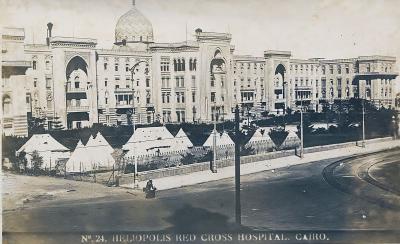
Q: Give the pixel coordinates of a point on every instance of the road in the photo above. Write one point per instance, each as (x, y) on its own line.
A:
(324, 195)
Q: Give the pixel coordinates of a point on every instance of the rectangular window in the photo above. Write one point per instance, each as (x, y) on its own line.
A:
(164, 64)
(127, 67)
(105, 66)
(49, 104)
(35, 82)
(347, 69)
(339, 69)
(193, 81)
(48, 82)
(178, 97)
(212, 96)
(116, 67)
(182, 82)
(147, 82)
(323, 69)
(339, 82)
(193, 97)
(183, 97)
(331, 69)
(47, 65)
(105, 82)
(34, 63)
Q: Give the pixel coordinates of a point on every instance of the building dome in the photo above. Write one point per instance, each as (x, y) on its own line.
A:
(133, 27)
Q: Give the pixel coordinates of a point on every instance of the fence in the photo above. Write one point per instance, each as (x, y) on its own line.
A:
(187, 169)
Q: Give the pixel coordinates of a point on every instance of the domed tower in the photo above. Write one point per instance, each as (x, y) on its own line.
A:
(133, 30)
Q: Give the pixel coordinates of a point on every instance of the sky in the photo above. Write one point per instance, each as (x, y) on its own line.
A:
(307, 28)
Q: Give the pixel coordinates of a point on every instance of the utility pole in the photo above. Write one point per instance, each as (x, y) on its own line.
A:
(301, 129)
(135, 178)
(394, 127)
(363, 123)
(238, 213)
(214, 164)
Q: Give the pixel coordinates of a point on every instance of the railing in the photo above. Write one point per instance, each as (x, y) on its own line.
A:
(123, 105)
(77, 108)
(123, 90)
(76, 90)
(307, 88)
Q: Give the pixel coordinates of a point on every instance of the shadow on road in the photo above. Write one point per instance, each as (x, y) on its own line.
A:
(193, 219)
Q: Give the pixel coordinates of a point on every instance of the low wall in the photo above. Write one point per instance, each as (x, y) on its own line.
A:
(187, 169)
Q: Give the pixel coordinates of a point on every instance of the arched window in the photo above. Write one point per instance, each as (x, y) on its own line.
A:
(175, 65)
(194, 64)
(6, 105)
(183, 64)
(47, 65)
(190, 64)
(34, 63)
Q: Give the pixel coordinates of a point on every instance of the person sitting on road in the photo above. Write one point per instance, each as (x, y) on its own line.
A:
(150, 186)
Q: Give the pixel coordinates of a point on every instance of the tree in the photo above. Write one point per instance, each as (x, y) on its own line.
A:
(36, 125)
(188, 158)
(57, 125)
(247, 151)
(37, 162)
(20, 161)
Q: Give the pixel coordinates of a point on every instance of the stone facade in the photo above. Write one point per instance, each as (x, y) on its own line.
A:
(69, 81)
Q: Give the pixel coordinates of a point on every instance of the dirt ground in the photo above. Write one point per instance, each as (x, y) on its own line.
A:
(20, 191)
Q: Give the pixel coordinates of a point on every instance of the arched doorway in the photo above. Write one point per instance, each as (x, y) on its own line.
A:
(280, 88)
(77, 103)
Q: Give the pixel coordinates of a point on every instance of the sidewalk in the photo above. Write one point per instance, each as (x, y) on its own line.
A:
(250, 168)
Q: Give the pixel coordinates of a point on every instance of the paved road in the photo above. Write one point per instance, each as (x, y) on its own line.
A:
(299, 197)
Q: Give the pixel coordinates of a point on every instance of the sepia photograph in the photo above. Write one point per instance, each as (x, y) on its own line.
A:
(200, 121)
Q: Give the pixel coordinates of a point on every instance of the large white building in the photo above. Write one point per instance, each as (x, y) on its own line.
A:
(69, 81)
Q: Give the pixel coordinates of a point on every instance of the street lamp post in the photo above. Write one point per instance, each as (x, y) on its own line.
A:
(301, 129)
(394, 127)
(363, 123)
(214, 164)
(238, 213)
(135, 177)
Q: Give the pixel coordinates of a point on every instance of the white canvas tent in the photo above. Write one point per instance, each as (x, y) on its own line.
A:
(98, 152)
(182, 142)
(292, 140)
(222, 140)
(225, 145)
(95, 155)
(47, 147)
(78, 162)
(104, 143)
(149, 140)
(261, 141)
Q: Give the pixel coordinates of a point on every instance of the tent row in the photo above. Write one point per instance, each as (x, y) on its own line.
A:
(262, 142)
(145, 142)
(97, 153)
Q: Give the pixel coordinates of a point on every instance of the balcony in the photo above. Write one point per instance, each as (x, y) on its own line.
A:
(303, 88)
(76, 90)
(73, 109)
(123, 90)
(123, 104)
